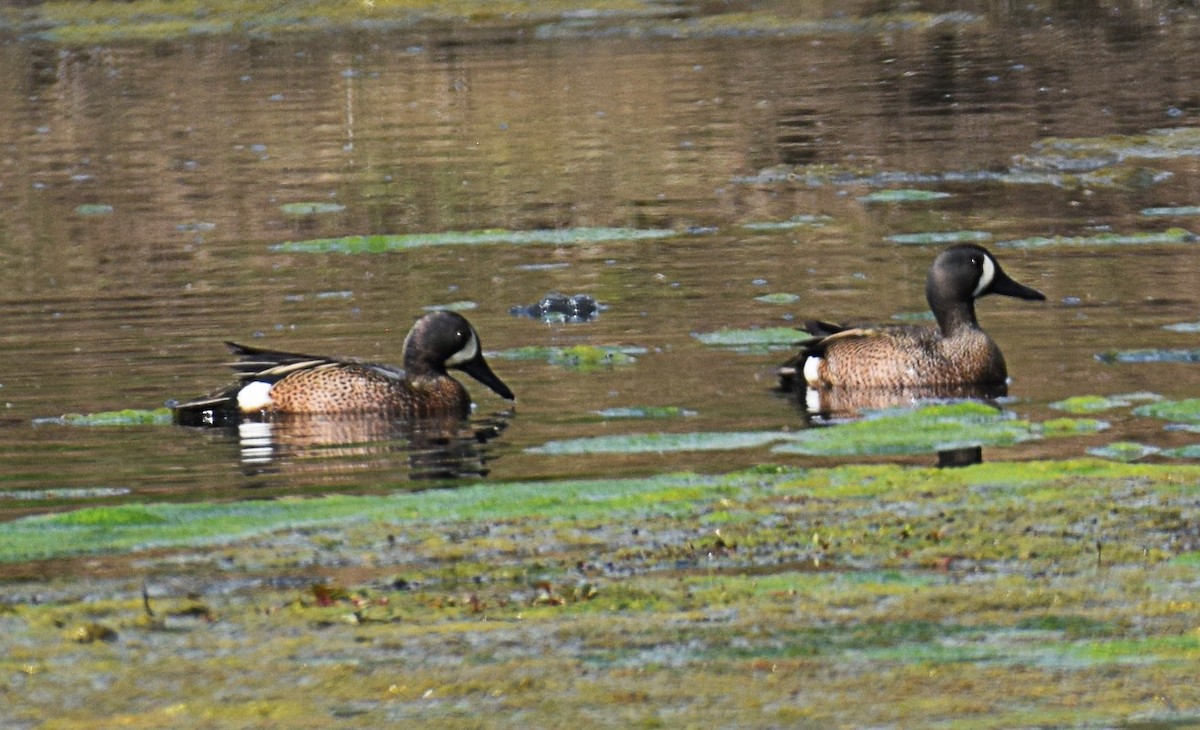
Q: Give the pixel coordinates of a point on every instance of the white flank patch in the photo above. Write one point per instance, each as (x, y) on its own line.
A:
(812, 371)
(989, 273)
(467, 354)
(254, 397)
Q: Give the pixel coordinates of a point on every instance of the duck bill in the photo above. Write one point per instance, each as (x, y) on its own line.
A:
(478, 369)
(1005, 285)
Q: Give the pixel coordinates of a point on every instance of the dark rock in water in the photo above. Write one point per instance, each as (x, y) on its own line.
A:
(556, 307)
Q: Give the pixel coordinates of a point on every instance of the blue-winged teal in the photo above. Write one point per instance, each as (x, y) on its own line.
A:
(956, 352)
(273, 382)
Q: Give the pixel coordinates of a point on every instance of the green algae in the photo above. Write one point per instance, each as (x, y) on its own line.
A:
(778, 298)
(408, 241)
(311, 208)
(575, 357)
(928, 429)
(126, 417)
(940, 237)
(1123, 451)
(1098, 403)
(143, 526)
(1171, 235)
(1180, 411)
(752, 337)
(902, 195)
(1171, 142)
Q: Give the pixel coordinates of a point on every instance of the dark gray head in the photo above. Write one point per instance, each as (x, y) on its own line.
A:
(960, 275)
(441, 340)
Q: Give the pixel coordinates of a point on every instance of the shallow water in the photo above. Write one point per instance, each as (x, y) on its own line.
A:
(144, 186)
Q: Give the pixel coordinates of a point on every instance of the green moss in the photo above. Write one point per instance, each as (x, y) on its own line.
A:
(127, 417)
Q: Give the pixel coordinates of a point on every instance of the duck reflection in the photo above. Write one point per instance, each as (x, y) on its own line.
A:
(829, 405)
(435, 448)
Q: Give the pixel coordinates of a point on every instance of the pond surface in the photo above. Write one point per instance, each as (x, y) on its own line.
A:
(700, 180)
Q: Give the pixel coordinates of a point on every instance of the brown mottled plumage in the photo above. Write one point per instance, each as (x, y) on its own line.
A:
(272, 381)
(954, 353)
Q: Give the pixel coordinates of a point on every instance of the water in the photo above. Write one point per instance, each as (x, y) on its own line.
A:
(195, 145)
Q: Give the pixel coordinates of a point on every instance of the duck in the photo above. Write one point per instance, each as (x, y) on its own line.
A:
(954, 354)
(274, 382)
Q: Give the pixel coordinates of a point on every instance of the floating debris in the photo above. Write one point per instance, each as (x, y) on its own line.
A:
(403, 242)
(94, 209)
(556, 307)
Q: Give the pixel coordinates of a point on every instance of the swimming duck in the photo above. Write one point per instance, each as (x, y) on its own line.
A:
(954, 353)
(276, 382)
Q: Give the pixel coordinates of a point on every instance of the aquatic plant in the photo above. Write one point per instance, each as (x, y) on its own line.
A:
(403, 242)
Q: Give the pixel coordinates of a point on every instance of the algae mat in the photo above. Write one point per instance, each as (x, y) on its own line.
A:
(1048, 594)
